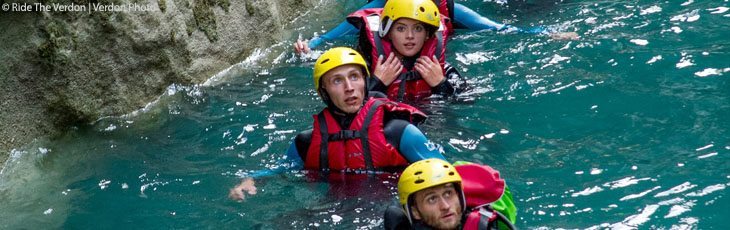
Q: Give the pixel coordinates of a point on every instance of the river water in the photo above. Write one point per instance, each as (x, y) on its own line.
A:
(625, 128)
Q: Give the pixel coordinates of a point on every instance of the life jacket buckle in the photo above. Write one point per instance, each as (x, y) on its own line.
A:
(488, 212)
(345, 135)
(412, 76)
(485, 213)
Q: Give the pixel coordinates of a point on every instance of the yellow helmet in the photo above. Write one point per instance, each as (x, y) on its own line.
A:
(334, 58)
(424, 174)
(420, 10)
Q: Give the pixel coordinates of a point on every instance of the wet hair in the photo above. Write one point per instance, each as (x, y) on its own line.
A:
(431, 30)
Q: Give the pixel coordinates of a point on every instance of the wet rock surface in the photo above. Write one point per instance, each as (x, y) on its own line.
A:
(60, 69)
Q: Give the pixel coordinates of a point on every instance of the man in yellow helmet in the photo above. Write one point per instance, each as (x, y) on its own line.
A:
(434, 194)
(355, 132)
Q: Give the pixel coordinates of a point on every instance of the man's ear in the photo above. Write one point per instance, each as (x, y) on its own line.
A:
(415, 213)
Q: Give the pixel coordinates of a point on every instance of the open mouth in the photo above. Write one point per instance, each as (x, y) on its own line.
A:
(410, 45)
(351, 100)
(448, 216)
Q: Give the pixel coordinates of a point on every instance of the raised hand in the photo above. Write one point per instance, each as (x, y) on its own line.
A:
(247, 186)
(388, 70)
(430, 70)
(301, 46)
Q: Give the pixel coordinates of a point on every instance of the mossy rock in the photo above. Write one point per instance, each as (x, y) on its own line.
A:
(57, 38)
(249, 8)
(205, 18)
(162, 4)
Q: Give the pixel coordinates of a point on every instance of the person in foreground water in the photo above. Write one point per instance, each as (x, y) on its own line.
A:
(434, 194)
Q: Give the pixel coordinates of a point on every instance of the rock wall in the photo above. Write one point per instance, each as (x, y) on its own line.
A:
(59, 69)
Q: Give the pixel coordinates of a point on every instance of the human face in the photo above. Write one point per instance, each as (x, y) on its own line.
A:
(408, 36)
(345, 86)
(438, 207)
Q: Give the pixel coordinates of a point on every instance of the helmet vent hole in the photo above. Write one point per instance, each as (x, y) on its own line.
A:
(418, 173)
(422, 9)
(325, 61)
(451, 173)
(353, 54)
(446, 166)
(419, 181)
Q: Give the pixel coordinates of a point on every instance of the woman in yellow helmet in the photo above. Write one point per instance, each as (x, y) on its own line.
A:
(405, 43)
(463, 18)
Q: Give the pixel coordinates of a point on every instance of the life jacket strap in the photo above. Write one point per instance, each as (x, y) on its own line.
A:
(364, 134)
(411, 75)
(439, 43)
(323, 156)
(374, 25)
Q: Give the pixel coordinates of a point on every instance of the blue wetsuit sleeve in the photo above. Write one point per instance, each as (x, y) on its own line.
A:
(340, 31)
(473, 21)
(344, 28)
(414, 146)
(291, 161)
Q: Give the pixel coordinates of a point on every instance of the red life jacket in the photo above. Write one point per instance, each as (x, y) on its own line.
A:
(362, 145)
(409, 85)
(481, 186)
(446, 8)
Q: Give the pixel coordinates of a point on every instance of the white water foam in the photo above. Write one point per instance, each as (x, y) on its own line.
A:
(475, 58)
(708, 72)
(654, 59)
(707, 190)
(624, 182)
(677, 210)
(676, 29)
(638, 195)
(676, 189)
(687, 17)
(718, 10)
(687, 2)
(651, 10)
(641, 42)
(685, 61)
(587, 191)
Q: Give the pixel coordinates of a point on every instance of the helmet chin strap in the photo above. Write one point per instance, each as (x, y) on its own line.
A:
(385, 26)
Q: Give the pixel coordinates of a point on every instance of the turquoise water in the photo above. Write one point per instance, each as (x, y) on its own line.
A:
(625, 128)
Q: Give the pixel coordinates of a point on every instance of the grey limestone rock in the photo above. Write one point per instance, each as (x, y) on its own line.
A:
(64, 68)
